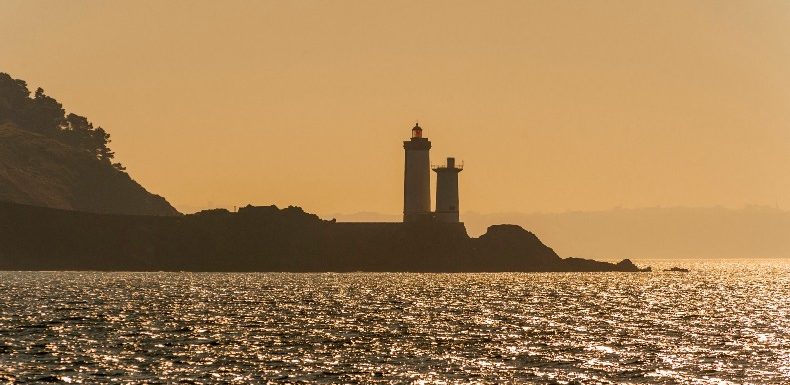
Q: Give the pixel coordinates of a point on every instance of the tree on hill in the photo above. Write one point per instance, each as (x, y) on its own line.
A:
(14, 97)
(44, 115)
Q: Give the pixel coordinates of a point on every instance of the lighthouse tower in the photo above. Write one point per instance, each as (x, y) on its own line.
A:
(447, 191)
(417, 178)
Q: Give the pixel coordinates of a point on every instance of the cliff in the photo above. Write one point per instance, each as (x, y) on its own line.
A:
(39, 170)
(264, 239)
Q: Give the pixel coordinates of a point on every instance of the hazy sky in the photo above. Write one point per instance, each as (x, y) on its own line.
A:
(553, 105)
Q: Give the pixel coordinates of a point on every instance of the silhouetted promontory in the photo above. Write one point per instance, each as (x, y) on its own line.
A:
(52, 163)
(265, 239)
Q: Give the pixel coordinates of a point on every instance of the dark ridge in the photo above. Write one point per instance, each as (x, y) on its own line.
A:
(265, 239)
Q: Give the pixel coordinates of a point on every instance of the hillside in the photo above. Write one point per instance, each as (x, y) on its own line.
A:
(53, 159)
(41, 171)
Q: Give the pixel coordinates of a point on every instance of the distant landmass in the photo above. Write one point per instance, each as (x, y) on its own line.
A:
(265, 239)
(51, 159)
(656, 232)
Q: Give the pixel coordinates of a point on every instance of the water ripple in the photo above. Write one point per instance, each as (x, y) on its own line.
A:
(725, 322)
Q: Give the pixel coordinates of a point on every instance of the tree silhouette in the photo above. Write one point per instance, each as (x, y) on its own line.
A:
(14, 97)
(43, 114)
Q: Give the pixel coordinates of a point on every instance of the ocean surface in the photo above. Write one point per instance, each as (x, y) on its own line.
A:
(725, 322)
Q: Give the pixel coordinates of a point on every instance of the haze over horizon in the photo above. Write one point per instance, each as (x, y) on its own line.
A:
(553, 106)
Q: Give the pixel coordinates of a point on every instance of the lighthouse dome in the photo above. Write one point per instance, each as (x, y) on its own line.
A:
(416, 132)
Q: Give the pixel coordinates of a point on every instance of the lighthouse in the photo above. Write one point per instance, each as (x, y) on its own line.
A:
(417, 178)
(447, 191)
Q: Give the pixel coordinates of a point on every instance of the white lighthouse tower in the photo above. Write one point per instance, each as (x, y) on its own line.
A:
(417, 178)
(447, 191)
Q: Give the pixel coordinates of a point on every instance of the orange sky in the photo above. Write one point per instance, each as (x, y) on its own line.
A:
(553, 105)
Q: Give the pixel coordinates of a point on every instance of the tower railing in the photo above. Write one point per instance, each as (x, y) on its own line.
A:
(458, 166)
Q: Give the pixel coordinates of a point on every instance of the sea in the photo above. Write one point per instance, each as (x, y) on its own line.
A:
(724, 322)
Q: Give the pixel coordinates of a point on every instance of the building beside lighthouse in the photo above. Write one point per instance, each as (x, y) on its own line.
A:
(447, 191)
(417, 183)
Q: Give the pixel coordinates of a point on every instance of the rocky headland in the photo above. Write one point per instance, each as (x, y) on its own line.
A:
(265, 239)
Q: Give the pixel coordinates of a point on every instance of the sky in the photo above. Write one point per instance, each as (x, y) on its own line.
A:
(552, 105)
